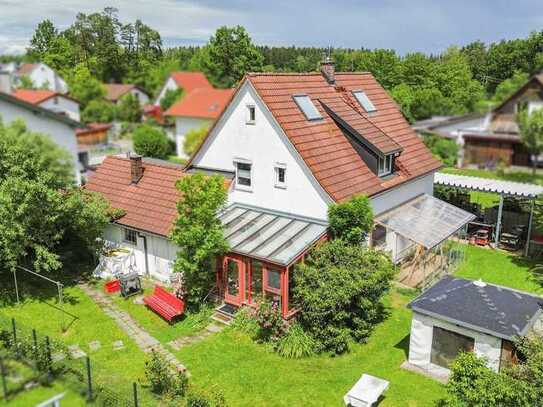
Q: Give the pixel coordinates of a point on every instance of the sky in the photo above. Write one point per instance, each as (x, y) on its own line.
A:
(403, 25)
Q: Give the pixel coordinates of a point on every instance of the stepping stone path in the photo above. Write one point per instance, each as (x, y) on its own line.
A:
(189, 340)
(76, 352)
(57, 357)
(95, 345)
(141, 337)
(118, 345)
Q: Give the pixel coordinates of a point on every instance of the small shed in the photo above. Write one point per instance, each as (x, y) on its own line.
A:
(458, 315)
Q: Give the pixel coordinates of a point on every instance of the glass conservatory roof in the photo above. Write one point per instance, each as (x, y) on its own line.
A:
(268, 235)
(425, 220)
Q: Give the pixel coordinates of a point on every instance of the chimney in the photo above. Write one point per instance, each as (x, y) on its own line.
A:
(136, 167)
(328, 70)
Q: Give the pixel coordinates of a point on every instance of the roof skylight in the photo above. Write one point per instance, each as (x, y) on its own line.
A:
(364, 101)
(307, 107)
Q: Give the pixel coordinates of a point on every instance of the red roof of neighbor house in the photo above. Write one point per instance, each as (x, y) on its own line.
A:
(150, 204)
(205, 103)
(115, 91)
(322, 144)
(189, 81)
(26, 68)
(92, 128)
(34, 96)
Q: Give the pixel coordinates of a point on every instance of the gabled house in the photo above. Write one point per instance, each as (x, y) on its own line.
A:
(41, 75)
(60, 128)
(48, 99)
(200, 108)
(186, 81)
(292, 144)
(115, 92)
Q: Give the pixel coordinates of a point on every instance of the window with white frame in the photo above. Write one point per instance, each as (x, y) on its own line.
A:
(280, 175)
(251, 114)
(385, 165)
(130, 236)
(243, 174)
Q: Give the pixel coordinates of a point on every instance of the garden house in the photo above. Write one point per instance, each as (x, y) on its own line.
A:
(458, 315)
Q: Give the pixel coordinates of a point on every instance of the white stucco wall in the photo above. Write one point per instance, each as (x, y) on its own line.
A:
(161, 252)
(169, 85)
(42, 75)
(62, 104)
(61, 133)
(142, 97)
(182, 126)
(409, 190)
(420, 342)
(262, 144)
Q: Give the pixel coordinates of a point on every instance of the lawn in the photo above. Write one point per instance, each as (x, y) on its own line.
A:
(86, 323)
(500, 267)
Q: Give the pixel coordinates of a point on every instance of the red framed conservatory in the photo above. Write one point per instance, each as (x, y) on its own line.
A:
(265, 246)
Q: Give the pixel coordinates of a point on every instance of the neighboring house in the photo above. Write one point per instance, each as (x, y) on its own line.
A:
(294, 144)
(42, 76)
(200, 108)
(458, 315)
(115, 92)
(54, 101)
(494, 137)
(131, 184)
(60, 128)
(186, 81)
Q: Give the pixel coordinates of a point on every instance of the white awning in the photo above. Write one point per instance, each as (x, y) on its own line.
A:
(269, 235)
(509, 188)
(425, 220)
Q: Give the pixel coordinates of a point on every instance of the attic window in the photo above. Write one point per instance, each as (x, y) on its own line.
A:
(364, 101)
(385, 165)
(307, 107)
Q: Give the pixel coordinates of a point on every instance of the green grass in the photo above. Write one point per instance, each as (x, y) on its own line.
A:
(40, 394)
(249, 374)
(157, 326)
(177, 160)
(86, 323)
(499, 267)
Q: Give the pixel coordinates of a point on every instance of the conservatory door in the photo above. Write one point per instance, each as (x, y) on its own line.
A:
(233, 276)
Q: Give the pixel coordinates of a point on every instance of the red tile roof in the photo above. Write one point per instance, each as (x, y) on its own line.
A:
(150, 204)
(34, 96)
(189, 81)
(93, 128)
(26, 69)
(204, 103)
(323, 146)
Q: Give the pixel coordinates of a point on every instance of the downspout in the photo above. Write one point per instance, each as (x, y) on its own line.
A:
(145, 253)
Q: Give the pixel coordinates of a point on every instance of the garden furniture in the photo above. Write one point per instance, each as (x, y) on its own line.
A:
(165, 304)
(366, 391)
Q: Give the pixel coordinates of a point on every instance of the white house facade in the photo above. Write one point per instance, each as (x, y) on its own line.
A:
(60, 129)
(63, 105)
(42, 76)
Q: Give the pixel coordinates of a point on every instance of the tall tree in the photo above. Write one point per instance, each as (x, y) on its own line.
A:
(84, 87)
(229, 55)
(42, 40)
(531, 132)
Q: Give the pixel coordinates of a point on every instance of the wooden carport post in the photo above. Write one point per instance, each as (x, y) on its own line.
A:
(499, 221)
(528, 238)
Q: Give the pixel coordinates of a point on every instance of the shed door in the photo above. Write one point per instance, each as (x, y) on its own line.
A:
(233, 276)
(446, 345)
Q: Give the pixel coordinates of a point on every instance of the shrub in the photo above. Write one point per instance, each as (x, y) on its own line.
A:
(444, 149)
(270, 321)
(244, 321)
(339, 290)
(193, 139)
(170, 97)
(98, 111)
(199, 398)
(151, 141)
(129, 109)
(296, 343)
(158, 374)
(351, 220)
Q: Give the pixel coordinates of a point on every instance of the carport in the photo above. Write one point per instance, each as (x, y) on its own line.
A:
(502, 188)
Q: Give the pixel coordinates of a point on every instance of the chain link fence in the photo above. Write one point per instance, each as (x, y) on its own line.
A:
(30, 359)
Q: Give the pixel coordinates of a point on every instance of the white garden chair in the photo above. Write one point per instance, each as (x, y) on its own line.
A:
(366, 391)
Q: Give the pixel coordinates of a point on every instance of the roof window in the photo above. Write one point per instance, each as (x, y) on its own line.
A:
(364, 101)
(307, 107)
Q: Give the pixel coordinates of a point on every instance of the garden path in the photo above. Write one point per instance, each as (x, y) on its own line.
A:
(143, 339)
(189, 340)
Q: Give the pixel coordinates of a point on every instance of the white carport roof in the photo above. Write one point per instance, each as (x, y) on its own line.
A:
(425, 220)
(508, 188)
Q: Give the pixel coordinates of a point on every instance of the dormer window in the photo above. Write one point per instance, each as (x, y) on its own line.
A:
(307, 107)
(385, 165)
(364, 101)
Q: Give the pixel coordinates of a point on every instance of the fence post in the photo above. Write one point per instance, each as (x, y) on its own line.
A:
(49, 356)
(35, 341)
(14, 330)
(89, 378)
(135, 386)
(4, 383)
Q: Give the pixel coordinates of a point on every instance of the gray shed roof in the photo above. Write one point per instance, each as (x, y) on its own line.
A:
(425, 220)
(495, 310)
(268, 235)
(509, 188)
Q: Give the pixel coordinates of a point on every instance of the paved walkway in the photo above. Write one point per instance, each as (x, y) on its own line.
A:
(143, 339)
(189, 340)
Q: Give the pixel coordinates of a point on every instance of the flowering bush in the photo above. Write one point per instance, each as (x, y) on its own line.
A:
(271, 323)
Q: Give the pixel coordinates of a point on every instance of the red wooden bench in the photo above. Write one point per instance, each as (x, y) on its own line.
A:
(165, 304)
(112, 286)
